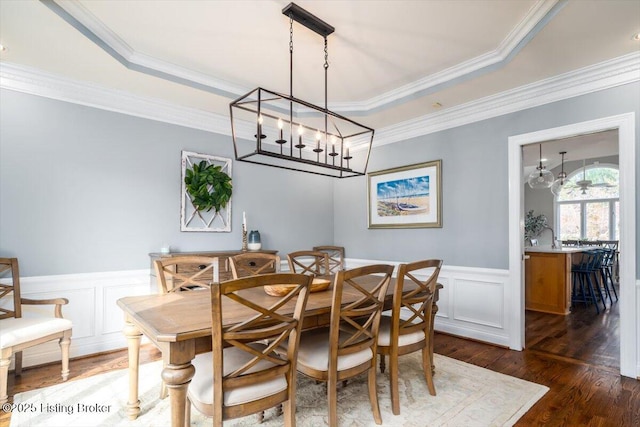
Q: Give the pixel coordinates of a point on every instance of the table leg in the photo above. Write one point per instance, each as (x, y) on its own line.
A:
(177, 375)
(177, 379)
(134, 336)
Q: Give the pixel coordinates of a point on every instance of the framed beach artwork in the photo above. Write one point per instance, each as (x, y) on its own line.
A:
(406, 197)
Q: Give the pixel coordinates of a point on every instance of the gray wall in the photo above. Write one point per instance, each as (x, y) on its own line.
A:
(475, 187)
(541, 201)
(87, 190)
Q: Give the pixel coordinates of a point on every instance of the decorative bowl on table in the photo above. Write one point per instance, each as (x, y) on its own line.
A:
(317, 285)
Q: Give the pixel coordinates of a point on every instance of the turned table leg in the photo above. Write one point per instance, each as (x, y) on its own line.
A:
(177, 375)
(134, 336)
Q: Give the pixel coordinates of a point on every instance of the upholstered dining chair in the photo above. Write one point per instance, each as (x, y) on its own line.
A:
(18, 333)
(336, 257)
(250, 264)
(242, 374)
(348, 346)
(314, 263)
(185, 273)
(409, 327)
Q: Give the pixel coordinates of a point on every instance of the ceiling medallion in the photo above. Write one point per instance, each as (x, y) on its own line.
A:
(274, 129)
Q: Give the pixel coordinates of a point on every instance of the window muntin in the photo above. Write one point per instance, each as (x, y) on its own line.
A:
(604, 184)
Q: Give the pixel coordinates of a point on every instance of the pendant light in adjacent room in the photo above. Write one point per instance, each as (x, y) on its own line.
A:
(541, 177)
(558, 184)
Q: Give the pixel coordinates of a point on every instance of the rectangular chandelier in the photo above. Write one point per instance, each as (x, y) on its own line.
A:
(274, 129)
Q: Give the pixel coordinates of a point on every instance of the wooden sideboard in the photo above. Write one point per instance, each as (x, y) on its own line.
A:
(223, 260)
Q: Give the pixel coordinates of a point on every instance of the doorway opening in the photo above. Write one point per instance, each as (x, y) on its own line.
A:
(583, 215)
(625, 126)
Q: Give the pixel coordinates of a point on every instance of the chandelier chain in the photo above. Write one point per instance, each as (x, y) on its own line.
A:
(326, 54)
(290, 33)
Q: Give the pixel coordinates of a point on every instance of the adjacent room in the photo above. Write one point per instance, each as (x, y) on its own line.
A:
(319, 213)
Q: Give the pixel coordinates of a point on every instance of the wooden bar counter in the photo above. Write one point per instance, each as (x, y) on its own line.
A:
(548, 278)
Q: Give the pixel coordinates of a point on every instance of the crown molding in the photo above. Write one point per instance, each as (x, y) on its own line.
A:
(538, 16)
(95, 30)
(36, 82)
(608, 74)
(619, 71)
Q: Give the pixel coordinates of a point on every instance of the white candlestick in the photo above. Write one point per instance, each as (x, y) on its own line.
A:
(244, 221)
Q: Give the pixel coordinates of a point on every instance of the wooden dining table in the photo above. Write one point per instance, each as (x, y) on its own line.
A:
(179, 324)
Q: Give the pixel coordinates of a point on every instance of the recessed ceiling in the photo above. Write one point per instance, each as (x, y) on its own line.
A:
(389, 61)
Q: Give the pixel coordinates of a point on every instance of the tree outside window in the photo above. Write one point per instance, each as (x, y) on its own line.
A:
(590, 210)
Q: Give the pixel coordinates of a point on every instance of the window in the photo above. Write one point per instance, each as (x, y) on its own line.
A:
(588, 206)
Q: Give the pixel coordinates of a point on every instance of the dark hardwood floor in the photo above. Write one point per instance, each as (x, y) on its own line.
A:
(576, 356)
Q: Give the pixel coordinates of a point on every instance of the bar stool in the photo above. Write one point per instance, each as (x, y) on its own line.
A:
(585, 279)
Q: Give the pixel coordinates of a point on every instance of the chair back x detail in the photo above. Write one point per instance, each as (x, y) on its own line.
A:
(336, 257)
(185, 273)
(348, 347)
(242, 374)
(409, 327)
(314, 263)
(251, 264)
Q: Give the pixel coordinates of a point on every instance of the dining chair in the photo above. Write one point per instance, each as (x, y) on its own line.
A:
(409, 327)
(188, 273)
(18, 333)
(242, 375)
(176, 274)
(348, 346)
(314, 263)
(250, 264)
(336, 257)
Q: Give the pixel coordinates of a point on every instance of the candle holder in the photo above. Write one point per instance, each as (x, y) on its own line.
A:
(245, 247)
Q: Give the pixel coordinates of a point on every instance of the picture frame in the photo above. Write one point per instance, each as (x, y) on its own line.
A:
(406, 197)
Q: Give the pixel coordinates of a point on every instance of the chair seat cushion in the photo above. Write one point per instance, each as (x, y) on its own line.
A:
(313, 352)
(201, 387)
(384, 334)
(21, 330)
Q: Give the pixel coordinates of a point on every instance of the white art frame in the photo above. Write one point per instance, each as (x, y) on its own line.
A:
(210, 221)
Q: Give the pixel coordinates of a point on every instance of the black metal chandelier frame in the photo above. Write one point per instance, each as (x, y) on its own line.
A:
(331, 153)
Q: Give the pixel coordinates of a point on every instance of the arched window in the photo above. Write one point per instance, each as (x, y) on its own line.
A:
(587, 207)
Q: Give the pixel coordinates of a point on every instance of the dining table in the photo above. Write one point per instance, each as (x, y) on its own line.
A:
(179, 324)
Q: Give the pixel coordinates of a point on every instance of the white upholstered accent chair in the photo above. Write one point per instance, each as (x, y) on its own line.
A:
(336, 257)
(242, 374)
(18, 333)
(348, 346)
(251, 264)
(409, 326)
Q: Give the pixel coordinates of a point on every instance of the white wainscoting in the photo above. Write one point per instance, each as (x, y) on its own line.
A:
(472, 301)
(472, 304)
(97, 320)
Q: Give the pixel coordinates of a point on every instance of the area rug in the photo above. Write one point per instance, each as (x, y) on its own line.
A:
(467, 395)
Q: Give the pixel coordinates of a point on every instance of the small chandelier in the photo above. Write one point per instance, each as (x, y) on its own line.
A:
(274, 129)
(558, 184)
(541, 177)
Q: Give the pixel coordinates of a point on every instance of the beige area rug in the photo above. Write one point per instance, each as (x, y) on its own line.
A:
(467, 396)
